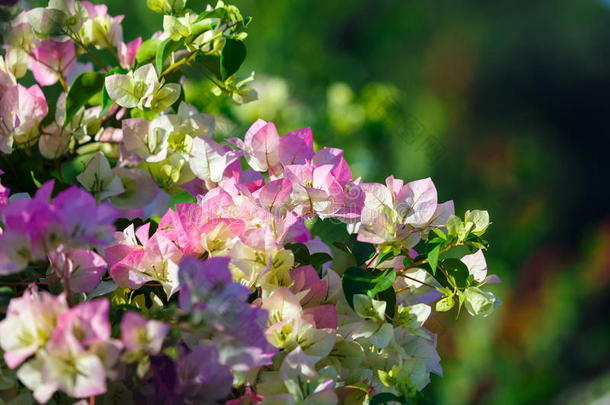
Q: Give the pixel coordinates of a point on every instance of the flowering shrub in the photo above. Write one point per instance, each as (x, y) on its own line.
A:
(144, 261)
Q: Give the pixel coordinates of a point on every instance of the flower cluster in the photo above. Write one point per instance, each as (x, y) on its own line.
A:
(174, 267)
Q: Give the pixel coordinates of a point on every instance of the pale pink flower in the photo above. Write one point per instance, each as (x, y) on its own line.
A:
(51, 60)
(29, 322)
(141, 334)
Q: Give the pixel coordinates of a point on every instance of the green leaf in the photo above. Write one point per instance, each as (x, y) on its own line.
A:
(34, 179)
(163, 51)
(445, 304)
(219, 12)
(211, 63)
(457, 272)
(373, 283)
(6, 293)
(331, 231)
(389, 296)
(181, 198)
(439, 233)
(362, 251)
(476, 242)
(300, 252)
(342, 246)
(433, 258)
(318, 259)
(383, 282)
(147, 52)
(85, 86)
(72, 168)
(144, 114)
(387, 397)
(385, 255)
(461, 299)
(232, 56)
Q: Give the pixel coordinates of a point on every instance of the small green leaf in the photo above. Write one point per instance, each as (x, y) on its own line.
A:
(72, 168)
(36, 182)
(357, 280)
(439, 233)
(383, 282)
(300, 252)
(318, 259)
(144, 114)
(148, 51)
(388, 253)
(385, 398)
(85, 86)
(6, 293)
(219, 12)
(181, 198)
(445, 304)
(232, 56)
(433, 258)
(342, 246)
(457, 272)
(163, 51)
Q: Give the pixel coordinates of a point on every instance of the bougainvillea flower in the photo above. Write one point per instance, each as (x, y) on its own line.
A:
(37, 227)
(208, 292)
(334, 157)
(82, 269)
(141, 334)
(157, 260)
(139, 88)
(203, 379)
(21, 110)
(261, 147)
(4, 193)
(306, 280)
(64, 365)
(30, 320)
(127, 52)
(88, 322)
(52, 60)
(100, 29)
(316, 189)
(98, 178)
(296, 147)
(399, 214)
(209, 160)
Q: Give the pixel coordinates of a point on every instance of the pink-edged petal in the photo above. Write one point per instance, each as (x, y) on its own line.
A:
(296, 147)
(416, 202)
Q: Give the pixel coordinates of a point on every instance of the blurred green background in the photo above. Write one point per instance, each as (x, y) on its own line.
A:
(505, 105)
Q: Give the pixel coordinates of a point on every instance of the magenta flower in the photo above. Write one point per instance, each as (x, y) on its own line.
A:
(38, 227)
(4, 193)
